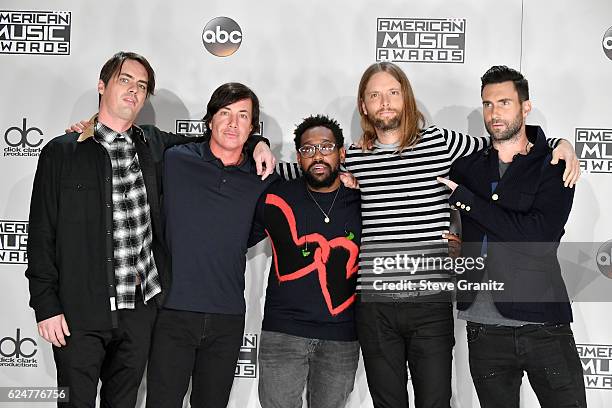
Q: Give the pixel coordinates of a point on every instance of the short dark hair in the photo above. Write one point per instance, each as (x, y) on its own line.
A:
(501, 73)
(227, 94)
(115, 63)
(318, 120)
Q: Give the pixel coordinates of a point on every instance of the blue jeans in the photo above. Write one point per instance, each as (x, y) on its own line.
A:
(289, 363)
(500, 354)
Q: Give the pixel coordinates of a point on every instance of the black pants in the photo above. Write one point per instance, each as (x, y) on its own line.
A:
(203, 346)
(117, 357)
(391, 334)
(500, 354)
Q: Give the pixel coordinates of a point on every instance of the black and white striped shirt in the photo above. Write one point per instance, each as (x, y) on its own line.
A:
(404, 208)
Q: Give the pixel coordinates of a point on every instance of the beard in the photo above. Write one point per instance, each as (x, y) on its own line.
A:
(327, 181)
(387, 124)
(512, 129)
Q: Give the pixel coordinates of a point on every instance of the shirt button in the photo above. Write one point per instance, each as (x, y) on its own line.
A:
(108, 179)
(495, 197)
(462, 206)
(108, 259)
(108, 232)
(108, 205)
(224, 180)
(458, 203)
(467, 208)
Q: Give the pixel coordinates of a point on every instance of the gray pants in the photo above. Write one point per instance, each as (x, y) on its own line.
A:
(289, 363)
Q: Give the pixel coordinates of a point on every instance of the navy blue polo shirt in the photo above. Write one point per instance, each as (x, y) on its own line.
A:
(209, 211)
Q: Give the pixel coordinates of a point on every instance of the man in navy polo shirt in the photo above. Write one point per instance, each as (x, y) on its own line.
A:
(211, 191)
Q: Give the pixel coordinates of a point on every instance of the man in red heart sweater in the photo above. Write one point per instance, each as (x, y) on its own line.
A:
(308, 333)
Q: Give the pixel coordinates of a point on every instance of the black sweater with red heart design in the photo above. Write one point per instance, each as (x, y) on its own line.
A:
(311, 286)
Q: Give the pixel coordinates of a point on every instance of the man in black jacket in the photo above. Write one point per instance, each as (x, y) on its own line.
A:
(513, 209)
(97, 258)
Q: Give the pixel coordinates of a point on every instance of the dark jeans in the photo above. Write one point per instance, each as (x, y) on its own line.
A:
(391, 334)
(200, 346)
(289, 363)
(117, 357)
(500, 354)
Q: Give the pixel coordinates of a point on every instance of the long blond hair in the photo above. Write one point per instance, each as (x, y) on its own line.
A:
(412, 120)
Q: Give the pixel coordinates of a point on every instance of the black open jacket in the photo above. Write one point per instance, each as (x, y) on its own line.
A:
(523, 219)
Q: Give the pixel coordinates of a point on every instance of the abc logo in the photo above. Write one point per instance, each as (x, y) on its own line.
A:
(607, 43)
(15, 347)
(222, 36)
(604, 259)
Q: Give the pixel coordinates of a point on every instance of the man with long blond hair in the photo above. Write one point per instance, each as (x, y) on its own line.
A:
(405, 312)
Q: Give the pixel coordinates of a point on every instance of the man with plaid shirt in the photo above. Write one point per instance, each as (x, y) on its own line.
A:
(132, 235)
(96, 253)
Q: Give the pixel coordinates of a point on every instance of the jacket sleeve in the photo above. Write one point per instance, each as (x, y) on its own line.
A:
(42, 272)
(543, 222)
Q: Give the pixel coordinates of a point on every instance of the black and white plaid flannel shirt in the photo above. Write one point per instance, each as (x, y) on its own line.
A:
(132, 233)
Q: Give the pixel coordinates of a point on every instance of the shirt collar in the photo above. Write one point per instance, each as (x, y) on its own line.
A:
(386, 145)
(91, 128)
(108, 135)
(207, 155)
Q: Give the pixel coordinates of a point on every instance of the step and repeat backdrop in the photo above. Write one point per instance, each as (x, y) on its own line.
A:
(303, 58)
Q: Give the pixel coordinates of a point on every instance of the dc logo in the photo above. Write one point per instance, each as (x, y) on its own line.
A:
(14, 347)
(604, 259)
(15, 136)
(607, 43)
(222, 36)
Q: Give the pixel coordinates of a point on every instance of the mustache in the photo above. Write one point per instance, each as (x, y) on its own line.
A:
(387, 110)
(319, 163)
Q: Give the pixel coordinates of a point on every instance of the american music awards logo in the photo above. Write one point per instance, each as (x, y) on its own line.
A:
(247, 359)
(433, 40)
(596, 362)
(13, 242)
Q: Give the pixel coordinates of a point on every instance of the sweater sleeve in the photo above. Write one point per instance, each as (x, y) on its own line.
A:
(288, 171)
(459, 144)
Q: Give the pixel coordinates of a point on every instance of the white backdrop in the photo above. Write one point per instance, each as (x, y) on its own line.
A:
(300, 58)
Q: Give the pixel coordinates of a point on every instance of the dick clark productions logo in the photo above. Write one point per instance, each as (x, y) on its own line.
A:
(18, 351)
(23, 140)
(222, 36)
